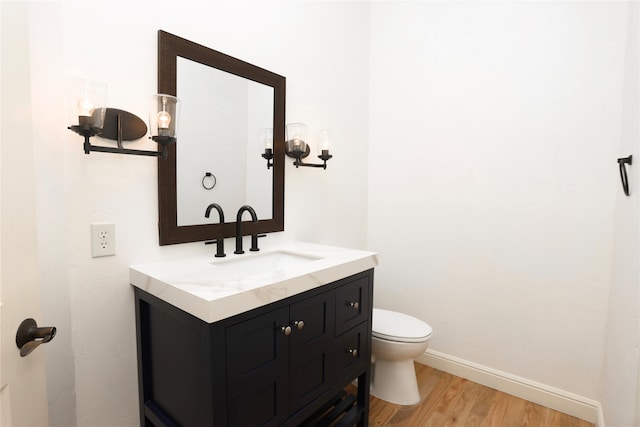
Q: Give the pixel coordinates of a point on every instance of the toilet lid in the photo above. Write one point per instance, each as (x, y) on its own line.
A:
(394, 326)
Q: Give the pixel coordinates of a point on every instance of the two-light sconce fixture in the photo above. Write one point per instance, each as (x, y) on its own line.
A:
(94, 119)
(296, 145)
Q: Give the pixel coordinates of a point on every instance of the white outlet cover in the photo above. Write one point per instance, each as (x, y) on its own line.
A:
(103, 240)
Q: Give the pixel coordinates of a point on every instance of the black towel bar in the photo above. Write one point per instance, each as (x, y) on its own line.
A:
(623, 173)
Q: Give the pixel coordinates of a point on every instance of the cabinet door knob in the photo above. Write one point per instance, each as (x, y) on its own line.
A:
(354, 305)
(353, 352)
(286, 330)
(299, 324)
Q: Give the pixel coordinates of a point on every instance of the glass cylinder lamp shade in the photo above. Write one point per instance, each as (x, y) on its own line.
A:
(89, 101)
(324, 142)
(266, 139)
(296, 138)
(164, 111)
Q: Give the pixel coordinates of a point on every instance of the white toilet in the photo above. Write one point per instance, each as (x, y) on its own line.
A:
(397, 339)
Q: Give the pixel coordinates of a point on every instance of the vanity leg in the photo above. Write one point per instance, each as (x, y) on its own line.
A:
(364, 383)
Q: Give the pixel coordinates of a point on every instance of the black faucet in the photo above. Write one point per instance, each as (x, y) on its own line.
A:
(219, 241)
(254, 237)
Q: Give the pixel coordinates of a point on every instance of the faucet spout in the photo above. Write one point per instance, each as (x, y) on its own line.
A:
(219, 241)
(254, 237)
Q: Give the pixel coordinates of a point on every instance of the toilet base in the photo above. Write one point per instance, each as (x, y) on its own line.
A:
(395, 381)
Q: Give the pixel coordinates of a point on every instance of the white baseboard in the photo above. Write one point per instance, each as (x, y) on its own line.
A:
(556, 399)
(600, 422)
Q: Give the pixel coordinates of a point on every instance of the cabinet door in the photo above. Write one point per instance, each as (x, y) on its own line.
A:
(257, 370)
(311, 346)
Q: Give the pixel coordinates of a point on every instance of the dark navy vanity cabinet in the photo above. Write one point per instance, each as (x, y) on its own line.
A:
(285, 363)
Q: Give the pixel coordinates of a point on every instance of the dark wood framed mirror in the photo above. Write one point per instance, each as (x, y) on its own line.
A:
(172, 51)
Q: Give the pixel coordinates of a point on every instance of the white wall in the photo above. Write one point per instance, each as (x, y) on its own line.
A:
(620, 374)
(320, 48)
(494, 132)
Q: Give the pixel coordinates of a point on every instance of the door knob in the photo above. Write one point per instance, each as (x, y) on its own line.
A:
(354, 305)
(30, 336)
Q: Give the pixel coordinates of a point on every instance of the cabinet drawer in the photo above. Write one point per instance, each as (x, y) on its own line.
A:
(352, 304)
(351, 350)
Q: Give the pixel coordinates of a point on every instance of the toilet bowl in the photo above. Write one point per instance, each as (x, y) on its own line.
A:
(397, 339)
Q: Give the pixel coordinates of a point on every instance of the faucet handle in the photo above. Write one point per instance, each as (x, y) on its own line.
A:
(219, 247)
(254, 242)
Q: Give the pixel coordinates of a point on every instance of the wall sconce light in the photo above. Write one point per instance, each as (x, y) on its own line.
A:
(96, 120)
(266, 139)
(297, 147)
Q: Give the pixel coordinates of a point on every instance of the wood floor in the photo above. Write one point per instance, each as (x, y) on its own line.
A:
(448, 400)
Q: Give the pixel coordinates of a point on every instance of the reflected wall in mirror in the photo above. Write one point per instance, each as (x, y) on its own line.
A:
(223, 116)
(225, 103)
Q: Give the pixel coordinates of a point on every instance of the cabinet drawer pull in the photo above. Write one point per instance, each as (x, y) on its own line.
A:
(286, 330)
(353, 352)
(354, 305)
(299, 324)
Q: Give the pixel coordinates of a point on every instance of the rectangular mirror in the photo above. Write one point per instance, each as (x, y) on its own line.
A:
(217, 158)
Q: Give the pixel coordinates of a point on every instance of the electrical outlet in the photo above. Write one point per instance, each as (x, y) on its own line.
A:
(103, 240)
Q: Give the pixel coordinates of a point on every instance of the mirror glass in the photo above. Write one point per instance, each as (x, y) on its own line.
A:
(221, 117)
(217, 157)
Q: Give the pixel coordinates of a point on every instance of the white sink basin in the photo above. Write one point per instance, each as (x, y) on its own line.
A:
(213, 289)
(254, 265)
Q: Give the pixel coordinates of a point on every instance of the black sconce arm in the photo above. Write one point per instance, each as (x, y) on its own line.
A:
(299, 155)
(324, 157)
(268, 156)
(88, 147)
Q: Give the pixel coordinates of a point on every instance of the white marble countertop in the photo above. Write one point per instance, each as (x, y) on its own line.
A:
(213, 289)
